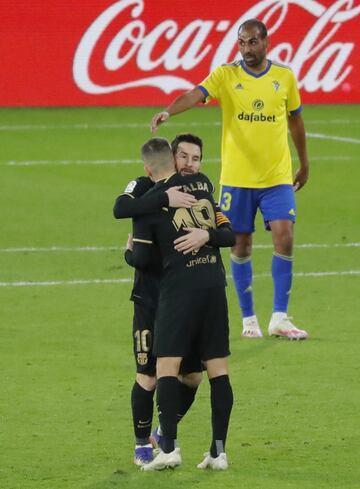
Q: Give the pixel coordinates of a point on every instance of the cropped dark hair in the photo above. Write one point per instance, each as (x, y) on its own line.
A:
(254, 23)
(155, 146)
(186, 138)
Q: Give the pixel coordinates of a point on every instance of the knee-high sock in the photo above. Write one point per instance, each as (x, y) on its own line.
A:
(186, 398)
(167, 398)
(281, 269)
(142, 411)
(221, 405)
(242, 275)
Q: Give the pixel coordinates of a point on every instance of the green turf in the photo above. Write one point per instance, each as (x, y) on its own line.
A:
(66, 356)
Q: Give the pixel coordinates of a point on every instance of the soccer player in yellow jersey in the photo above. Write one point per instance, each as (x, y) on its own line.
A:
(259, 101)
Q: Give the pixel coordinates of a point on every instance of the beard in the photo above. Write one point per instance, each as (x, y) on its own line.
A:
(186, 171)
(254, 60)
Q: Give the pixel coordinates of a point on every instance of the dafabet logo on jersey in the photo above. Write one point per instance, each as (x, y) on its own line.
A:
(253, 117)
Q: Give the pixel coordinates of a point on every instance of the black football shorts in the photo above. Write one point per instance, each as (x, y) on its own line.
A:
(192, 322)
(143, 333)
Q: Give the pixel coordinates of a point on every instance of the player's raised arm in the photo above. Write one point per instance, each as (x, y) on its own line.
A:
(184, 102)
(126, 207)
(136, 201)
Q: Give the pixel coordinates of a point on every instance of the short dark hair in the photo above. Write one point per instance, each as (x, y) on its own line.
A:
(186, 138)
(254, 23)
(155, 146)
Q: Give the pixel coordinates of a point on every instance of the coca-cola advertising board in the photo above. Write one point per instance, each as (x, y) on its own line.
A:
(145, 52)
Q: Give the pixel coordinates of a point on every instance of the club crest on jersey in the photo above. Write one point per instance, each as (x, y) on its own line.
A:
(276, 85)
(142, 358)
(130, 187)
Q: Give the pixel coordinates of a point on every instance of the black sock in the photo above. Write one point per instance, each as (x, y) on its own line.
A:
(167, 398)
(142, 411)
(186, 398)
(221, 404)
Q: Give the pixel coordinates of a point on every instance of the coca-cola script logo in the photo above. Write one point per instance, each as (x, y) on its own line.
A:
(320, 61)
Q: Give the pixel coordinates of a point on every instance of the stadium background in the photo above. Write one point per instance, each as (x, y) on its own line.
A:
(66, 153)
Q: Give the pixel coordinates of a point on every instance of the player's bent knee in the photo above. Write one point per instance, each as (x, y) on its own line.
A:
(146, 382)
(168, 366)
(243, 245)
(283, 236)
(191, 380)
(284, 245)
(216, 367)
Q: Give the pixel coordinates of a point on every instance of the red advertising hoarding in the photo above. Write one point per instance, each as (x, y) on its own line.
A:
(145, 52)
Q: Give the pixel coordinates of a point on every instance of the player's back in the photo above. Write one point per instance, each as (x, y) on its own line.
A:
(200, 269)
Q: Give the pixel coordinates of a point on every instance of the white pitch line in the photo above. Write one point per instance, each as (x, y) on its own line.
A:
(314, 274)
(328, 158)
(61, 249)
(331, 121)
(315, 245)
(138, 125)
(129, 161)
(128, 280)
(341, 139)
(67, 282)
(71, 162)
(86, 126)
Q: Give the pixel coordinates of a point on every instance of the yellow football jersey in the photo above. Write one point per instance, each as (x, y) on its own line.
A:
(255, 151)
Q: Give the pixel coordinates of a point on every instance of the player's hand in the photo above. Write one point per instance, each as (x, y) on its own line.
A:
(301, 177)
(180, 199)
(129, 243)
(195, 239)
(158, 119)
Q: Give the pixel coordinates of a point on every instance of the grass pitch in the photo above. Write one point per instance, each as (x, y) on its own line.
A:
(66, 356)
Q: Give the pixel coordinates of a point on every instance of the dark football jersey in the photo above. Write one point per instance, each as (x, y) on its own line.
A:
(129, 204)
(201, 268)
(146, 288)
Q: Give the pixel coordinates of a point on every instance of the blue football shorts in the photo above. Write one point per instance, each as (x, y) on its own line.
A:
(240, 205)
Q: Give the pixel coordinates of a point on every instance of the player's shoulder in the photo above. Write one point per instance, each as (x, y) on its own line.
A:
(230, 69)
(226, 68)
(208, 181)
(236, 63)
(280, 67)
(138, 187)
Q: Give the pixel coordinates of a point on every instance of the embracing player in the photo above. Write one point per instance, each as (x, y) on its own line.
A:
(187, 150)
(192, 314)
